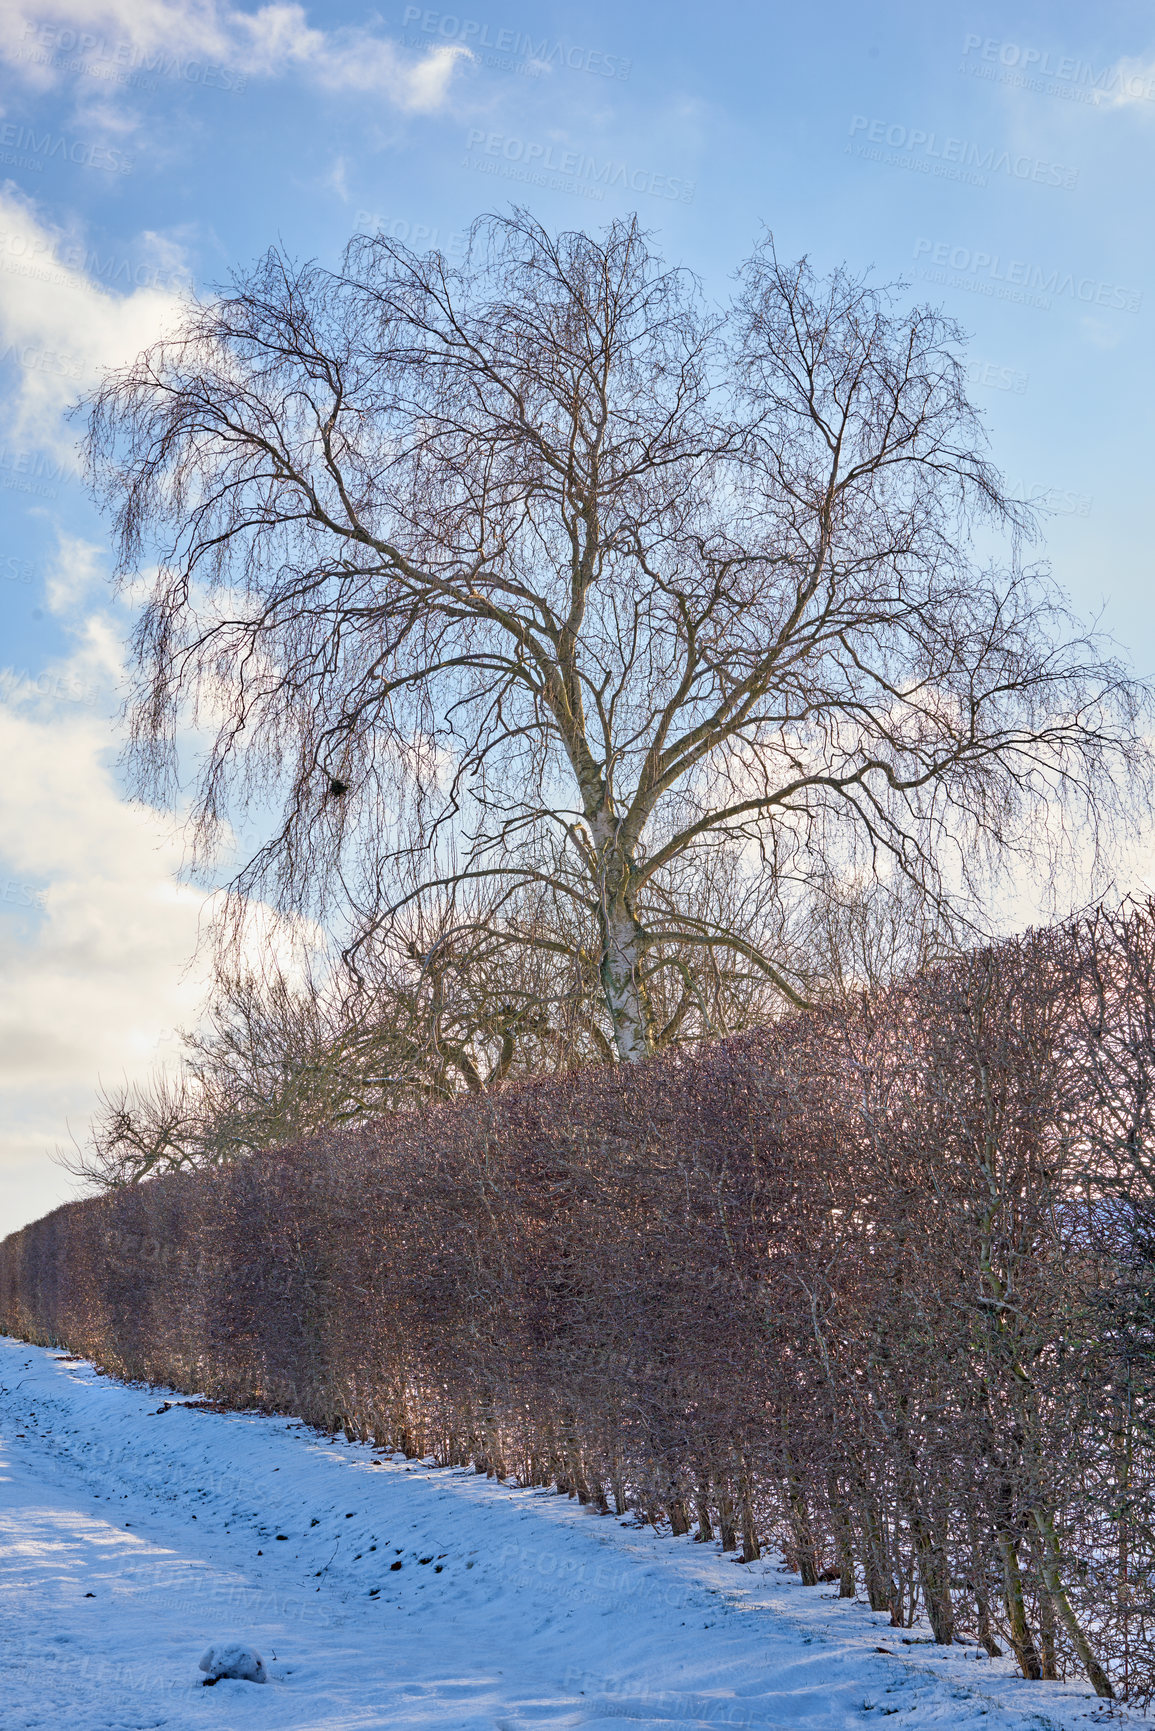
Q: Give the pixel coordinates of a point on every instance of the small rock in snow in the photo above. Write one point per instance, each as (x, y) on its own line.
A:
(232, 1659)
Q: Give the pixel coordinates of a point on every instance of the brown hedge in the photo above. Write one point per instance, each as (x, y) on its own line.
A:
(844, 1286)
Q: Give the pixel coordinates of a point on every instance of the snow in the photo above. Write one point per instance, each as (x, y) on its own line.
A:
(136, 1529)
(234, 1659)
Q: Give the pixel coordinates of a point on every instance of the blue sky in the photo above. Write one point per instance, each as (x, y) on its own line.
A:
(998, 159)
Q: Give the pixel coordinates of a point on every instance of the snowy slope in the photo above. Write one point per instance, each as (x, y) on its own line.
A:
(132, 1537)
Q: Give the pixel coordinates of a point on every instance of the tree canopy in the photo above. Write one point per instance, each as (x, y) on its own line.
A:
(536, 597)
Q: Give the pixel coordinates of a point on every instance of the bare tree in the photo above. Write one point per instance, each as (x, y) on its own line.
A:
(291, 1045)
(294, 1043)
(540, 572)
(141, 1130)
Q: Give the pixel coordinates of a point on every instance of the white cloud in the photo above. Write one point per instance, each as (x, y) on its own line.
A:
(75, 577)
(59, 328)
(99, 977)
(47, 43)
(346, 59)
(96, 930)
(1131, 84)
(337, 180)
(103, 947)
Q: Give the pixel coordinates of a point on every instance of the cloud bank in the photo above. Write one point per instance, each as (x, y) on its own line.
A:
(97, 929)
(59, 328)
(48, 44)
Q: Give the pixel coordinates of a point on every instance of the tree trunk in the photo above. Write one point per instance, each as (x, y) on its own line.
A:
(626, 998)
(933, 1576)
(1022, 1640)
(1047, 1650)
(751, 1549)
(728, 1535)
(623, 938)
(843, 1539)
(881, 1589)
(679, 1516)
(1096, 1675)
(986, 1632)
(805, 1550)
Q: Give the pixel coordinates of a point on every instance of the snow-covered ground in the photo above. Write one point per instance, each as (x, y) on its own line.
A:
(135, 1531)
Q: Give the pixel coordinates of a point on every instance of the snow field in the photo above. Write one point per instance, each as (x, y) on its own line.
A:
(136, 1530)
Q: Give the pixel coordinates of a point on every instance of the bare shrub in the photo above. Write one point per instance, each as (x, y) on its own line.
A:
(870, 1285)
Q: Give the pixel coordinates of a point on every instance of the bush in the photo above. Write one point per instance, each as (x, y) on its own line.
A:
(870, 1285)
